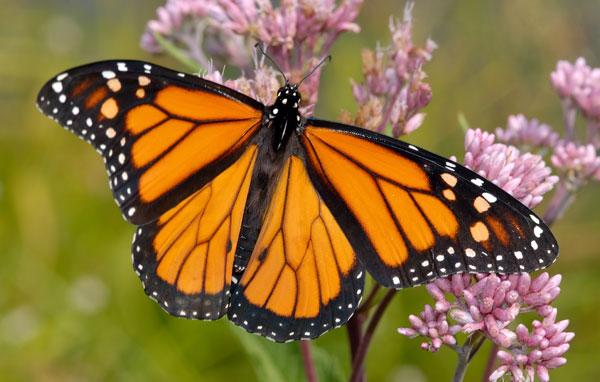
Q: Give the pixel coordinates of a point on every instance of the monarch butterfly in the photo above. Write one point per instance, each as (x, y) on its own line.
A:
(256, 212)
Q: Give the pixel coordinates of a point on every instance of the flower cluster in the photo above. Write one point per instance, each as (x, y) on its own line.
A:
(579, 83)
(578, 162)
(393, 90)
(523, 175)
(298, 34)
(523, 132)
(489, 304)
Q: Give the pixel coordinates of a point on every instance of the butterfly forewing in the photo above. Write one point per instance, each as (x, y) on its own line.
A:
(303, 277)
(162, 134)
(413, 216)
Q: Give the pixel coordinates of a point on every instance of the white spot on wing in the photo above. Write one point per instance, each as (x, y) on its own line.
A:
(489, 197)
(57, 87)
(477, 182)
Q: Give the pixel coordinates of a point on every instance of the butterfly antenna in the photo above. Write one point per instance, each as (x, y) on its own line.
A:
(258, 47)
(323, 61)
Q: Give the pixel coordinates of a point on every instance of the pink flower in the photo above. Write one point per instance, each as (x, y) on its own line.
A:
(523, 175)
(521, 131)
(568, 79)
(393, 91)
(580, 162)
(297, 34)
(490, 304)
(537, 350)
(579, 83)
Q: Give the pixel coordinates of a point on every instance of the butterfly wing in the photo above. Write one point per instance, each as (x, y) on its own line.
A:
(413, 216)
(185, 257)
(162, 134)
(303, 277)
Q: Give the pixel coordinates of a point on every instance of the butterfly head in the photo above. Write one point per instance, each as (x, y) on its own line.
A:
(288, 98)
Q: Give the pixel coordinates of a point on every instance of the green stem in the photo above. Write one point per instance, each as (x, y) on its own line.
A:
(177, 53)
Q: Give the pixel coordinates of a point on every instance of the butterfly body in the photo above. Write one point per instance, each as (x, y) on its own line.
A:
(284, 115)
(254, 212)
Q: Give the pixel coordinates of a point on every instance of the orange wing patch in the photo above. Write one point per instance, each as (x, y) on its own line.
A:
(301, 256)
(394, 188)
(303, 277)
(204, 144)
(195, 241)
(205, 106)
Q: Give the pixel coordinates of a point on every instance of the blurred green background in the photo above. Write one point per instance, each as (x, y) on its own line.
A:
(72, 309)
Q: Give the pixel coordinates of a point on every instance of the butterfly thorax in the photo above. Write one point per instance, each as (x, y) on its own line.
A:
(283, 115)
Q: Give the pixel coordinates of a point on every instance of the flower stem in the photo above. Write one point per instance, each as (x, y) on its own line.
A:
(561, 199)
(369, 302)
(570, 117)
(358, 369)
(465, 354)
(307, 360)
(489, 365)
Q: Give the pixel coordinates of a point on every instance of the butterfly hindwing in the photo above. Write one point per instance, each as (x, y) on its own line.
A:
(413, 216)
(185, 258)
(162, 134)
(303, 278)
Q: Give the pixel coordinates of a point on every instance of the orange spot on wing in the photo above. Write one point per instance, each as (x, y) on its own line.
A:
(94, 99)
(479, 232)
(515, 224)
(142, 117)
(114, 84)
(498, 229)
(449, 179)
(82, 86)
(203, 105)
(158, 140)
(481, 205)
(440, 216)
(449, 194)
(109, 108)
